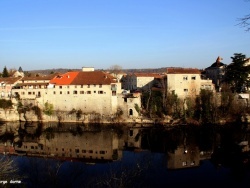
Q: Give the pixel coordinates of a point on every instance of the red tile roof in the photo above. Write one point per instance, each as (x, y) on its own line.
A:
(64, 79)
(93, 77)
(155, 75)
(183, 71)
(83, 78)
(9, 80)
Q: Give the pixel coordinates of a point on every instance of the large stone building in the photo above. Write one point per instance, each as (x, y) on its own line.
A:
(92, 92)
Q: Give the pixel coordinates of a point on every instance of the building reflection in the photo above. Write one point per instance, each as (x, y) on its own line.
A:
(182, 148)
(69, 144)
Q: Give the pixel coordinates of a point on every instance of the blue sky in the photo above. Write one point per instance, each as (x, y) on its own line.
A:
(47, 34)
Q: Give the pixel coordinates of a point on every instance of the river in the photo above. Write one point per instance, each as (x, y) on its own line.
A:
(79, 155)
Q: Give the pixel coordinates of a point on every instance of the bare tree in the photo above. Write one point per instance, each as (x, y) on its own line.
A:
(245, 21)
(8, 169)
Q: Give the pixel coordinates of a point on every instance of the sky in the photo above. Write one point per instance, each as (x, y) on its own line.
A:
(51, 34)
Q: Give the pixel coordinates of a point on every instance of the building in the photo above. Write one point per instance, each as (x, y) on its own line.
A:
(216, 72)
(186, 82)
(139, 81)
(6, 85)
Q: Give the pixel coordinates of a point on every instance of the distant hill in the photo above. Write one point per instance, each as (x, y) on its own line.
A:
(61, 70)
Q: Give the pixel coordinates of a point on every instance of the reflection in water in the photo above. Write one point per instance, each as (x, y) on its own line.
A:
(126, 156)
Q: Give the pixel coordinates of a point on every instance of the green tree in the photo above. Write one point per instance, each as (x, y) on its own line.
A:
(48, 109)
(237, 73)
(5, 72)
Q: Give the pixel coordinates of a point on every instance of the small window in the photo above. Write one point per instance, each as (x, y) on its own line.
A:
(60, 92)
(100, 92)
(74, 92)
(185, 90)
(81, 92)
(83, 151)
(94, 91)
(102, 152)
(68, 92)
(88, 85)
(113, 93)
(81, 86)
(193, 78)
(75, 86)
(90, 151)
(94, 85)
(77, 150)
(100, 86)
(54, 92)
(88, 92)
(60, 87)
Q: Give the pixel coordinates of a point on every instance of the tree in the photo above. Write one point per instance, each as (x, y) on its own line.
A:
(5, 72)
(115, 70)
(244, 21)
(48, 109)
(237, 73)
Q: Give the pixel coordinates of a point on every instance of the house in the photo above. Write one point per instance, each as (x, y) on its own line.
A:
(186, 82)
(216, 72)
(139, 81)
(6, 85)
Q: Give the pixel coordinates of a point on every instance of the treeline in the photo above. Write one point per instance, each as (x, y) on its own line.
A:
(208, 107)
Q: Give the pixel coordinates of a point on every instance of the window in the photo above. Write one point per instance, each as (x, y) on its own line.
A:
(185, 90)
(54, 92)
(77, 150)
(193, 78)
(100, 92)
(90, 151)
(185, 78)
(75, 86)
(83, 151)
(94, 85)
(81, 86)
(88, 92)
(60, 92)
(74, 92)
(60, 87)
(88, 85)
(67, 86)
(81, 92)
(67, 92)
(29, 93)
(100, 86)
(94, 91)
(102, 152)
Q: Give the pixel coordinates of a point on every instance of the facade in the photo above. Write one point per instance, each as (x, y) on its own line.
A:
(216, 72)
(92, 92)
(139, 81)
(6, 85)
(186, 82)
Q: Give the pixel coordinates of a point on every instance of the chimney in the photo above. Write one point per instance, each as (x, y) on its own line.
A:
(88, 69)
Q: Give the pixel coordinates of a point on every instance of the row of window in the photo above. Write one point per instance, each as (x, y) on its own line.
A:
(186, 77)
(76, 150)
(68, 92)
(81, 86)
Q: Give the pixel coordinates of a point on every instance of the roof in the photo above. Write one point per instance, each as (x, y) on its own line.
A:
(9, 80)
(83, 78)
(93, 77)
(155, 75)
(48, 77)
(64, 79)
(183, 71)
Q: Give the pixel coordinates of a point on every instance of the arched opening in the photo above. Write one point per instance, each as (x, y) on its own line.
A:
(130, 112)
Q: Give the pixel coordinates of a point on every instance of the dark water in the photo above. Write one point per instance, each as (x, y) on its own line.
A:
(70, 155)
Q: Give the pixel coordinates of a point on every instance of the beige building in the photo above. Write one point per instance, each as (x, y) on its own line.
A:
(88, 90)
(186, 82)
(6, 85)
(216, 72)
(139, 81)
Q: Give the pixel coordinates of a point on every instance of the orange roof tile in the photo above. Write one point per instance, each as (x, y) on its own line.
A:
(183, 71)
(64, 79)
